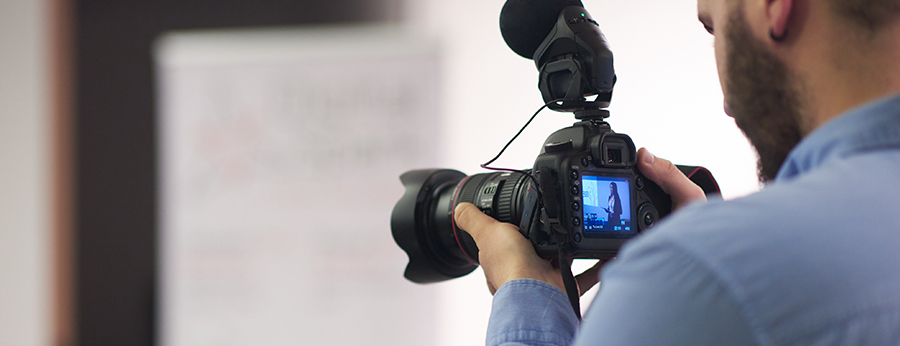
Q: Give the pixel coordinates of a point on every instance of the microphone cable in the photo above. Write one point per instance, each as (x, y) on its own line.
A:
(565, 269)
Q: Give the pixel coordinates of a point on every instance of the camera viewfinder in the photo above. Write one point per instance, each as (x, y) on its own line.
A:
(614, 152)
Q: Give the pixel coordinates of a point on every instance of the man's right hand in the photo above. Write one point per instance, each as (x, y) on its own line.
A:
(670, 179)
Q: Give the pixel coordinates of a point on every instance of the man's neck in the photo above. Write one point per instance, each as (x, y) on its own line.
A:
(850, 72)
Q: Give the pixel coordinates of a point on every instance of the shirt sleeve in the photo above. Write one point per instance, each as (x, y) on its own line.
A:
(655, 294)
(530, 312)
(659, 294)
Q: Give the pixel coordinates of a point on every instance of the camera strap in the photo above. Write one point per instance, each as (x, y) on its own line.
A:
(569, 282)
(549, 188)
(550, 193)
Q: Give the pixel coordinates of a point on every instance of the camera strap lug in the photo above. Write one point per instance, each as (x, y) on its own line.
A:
(550, 195)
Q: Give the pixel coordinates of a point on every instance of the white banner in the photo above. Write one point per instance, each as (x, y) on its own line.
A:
(280, 157)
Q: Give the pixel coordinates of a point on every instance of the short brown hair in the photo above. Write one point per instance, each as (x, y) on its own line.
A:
(872, 15)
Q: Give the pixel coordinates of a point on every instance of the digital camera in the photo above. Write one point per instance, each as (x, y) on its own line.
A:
(583, 198)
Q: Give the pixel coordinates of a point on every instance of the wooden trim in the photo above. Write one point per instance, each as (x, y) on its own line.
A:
(60, 38)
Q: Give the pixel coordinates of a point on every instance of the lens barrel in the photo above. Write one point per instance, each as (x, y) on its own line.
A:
(422, 221)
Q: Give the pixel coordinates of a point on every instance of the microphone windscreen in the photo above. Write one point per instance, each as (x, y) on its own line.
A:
(525, 24)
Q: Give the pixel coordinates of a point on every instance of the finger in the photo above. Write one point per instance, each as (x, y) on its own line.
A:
(669, 178)
(470, 219)
(590, 277)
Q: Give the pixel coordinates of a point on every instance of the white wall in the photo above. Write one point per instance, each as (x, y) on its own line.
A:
(24, 175)
(667, 99)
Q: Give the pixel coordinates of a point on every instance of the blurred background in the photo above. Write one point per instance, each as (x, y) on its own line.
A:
(202, 172)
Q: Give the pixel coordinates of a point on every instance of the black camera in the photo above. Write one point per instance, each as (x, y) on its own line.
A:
(583, 198)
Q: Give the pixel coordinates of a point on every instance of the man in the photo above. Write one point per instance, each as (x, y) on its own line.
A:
(812, 259)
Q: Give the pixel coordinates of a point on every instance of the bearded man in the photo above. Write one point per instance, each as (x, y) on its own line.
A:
(812, 259)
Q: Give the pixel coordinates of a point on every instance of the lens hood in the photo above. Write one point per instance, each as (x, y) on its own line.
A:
(426, 206)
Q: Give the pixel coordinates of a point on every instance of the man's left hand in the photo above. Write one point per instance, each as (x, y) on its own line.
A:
(506, 255)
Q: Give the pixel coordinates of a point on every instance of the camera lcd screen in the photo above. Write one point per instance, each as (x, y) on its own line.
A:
(607, 204)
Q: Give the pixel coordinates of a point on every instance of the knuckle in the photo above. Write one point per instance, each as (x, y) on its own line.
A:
(666, 174)
(669, 169)
(465, 212)
(462, 212)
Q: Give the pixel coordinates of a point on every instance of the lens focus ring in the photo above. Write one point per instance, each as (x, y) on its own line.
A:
(469, 188)
(504, 205)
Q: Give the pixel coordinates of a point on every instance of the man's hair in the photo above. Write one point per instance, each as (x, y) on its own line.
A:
(872, 15)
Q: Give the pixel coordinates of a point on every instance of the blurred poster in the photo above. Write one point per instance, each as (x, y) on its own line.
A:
(280, 152)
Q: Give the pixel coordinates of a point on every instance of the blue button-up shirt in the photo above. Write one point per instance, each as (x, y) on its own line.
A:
(813, 259)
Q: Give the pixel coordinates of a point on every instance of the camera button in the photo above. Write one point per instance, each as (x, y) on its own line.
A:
(648, 220)
(576, 206)
(576, 222)
(639, 183)
(585, 161)
(573, 174)
(577, 237)
(575, 190)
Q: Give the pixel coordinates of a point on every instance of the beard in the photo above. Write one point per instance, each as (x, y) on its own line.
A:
(763, 98)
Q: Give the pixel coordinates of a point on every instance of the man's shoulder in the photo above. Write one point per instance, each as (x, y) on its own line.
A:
(831, 206)
(798, 255)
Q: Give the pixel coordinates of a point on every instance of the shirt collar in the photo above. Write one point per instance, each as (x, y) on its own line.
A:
(873, 126)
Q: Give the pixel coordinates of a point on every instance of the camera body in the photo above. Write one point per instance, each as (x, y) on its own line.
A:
(594, 197)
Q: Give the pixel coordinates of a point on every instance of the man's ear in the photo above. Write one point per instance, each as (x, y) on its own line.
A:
(778, 12)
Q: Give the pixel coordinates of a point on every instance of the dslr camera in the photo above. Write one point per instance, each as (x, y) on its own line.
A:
(584, 197)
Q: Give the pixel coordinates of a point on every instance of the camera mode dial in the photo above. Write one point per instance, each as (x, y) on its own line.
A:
(558, 147)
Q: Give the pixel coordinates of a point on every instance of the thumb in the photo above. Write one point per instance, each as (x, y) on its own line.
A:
(470, 219)
(669, 178)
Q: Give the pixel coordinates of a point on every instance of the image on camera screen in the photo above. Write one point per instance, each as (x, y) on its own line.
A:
(607, 204)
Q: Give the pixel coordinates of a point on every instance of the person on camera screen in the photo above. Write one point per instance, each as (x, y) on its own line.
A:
(615, 205)
(815, 86)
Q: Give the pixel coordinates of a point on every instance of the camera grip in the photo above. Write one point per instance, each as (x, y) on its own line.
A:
(702, 177)
(661, 203)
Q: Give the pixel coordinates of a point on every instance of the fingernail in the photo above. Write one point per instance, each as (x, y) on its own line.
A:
(649, 158)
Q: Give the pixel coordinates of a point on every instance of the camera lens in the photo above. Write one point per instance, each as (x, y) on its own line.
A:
(422, 221)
